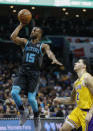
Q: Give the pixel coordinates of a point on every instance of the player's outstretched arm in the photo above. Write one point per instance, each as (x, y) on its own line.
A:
(66, 100)
(15, 38)
(51, 54)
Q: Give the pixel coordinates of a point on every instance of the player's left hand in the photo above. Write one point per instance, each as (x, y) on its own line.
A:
(57, 62)
(88, 117)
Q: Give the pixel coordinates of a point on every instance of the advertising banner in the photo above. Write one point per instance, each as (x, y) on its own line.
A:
(79, 39)
(81, 50)
(47, 125)
(61, 3)
(13, 125)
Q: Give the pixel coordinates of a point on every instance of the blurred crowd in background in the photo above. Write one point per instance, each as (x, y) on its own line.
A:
(50, 26)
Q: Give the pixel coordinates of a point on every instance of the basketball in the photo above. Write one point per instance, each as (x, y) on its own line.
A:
(24, 16)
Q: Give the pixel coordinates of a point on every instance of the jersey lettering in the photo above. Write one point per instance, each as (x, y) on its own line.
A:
(77, 96)
(36, 50)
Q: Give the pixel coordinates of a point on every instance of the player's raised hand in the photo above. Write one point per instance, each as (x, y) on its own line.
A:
(55, 61)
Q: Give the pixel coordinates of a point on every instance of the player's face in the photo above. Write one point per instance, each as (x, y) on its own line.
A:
(36, 32)
(79, 65)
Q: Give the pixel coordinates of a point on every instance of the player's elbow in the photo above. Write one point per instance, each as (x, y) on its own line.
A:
(12, 37)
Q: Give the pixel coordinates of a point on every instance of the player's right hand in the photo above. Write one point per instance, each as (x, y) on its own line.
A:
(57, 100)
(56, 62)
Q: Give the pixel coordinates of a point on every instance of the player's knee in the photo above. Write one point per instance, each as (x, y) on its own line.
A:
(62, 129)
(31, 99)
(65, 129)
(13, 93)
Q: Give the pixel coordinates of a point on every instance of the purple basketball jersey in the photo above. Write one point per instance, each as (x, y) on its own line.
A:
(90, 126)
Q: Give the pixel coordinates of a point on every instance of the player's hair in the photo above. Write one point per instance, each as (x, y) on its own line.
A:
(85, 61)
(41, 31)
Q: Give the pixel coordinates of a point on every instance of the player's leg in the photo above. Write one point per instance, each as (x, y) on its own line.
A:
(72, 121)
(85, 126)
(16, 89)
(16, 97)
(32, 86)
(32, 101)
(19, 82)
(67, 127)
(33, 82)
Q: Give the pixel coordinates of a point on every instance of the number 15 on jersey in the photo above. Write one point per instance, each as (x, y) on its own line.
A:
(30, 57)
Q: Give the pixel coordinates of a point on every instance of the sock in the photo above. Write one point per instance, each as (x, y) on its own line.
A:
(21, 108)
(36, 114)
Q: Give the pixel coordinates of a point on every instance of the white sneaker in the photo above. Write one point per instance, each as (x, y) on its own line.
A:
(23, 117)
(37, 123)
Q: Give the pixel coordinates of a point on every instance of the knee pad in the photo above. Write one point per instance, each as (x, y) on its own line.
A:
(15, 91)
(31, 99)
